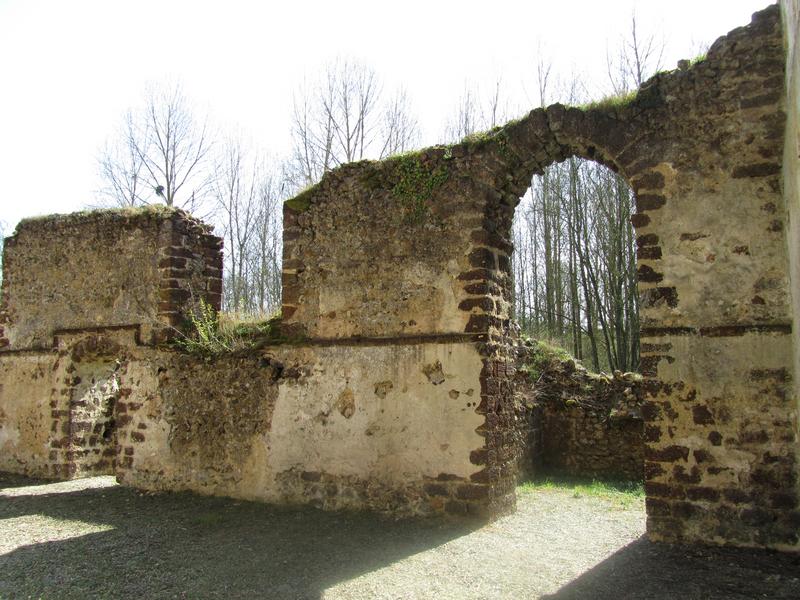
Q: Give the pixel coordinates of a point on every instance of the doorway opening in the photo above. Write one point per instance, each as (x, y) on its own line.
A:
(574, 265)
(93, 438)
(576, 303)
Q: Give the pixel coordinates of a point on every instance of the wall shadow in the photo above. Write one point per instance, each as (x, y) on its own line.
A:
(183, 545)
(645, 570)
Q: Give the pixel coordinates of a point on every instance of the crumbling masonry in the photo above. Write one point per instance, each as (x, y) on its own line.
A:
(397, 390)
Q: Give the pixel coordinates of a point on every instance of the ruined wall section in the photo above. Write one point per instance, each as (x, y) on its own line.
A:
(385, 427)
(57, 406)
(120, 268)
(714, 302)
(400, 250)
(583, 440)
(791, 171)
(588, 424)
(399, 272)
(378, 249)
(29, 407)
(702, 148)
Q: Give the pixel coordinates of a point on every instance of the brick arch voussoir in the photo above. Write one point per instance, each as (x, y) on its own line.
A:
(553, 134)
(515, 153)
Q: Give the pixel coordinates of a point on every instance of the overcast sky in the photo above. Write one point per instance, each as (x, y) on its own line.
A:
(70, 69)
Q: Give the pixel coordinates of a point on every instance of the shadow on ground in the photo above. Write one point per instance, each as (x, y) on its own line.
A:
(182, 545)
(644, 570)
(93, 539)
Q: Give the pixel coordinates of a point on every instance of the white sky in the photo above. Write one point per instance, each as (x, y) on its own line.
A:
(70, 69)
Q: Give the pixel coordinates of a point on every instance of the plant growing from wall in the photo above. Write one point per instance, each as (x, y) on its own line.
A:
(541, 357)
(211, 333)
(204, 338)
(416, 185)
(302, 201)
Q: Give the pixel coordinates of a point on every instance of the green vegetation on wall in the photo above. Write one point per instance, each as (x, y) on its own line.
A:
(416, 185)
(542, 354)
(211, 333)
(302, 201)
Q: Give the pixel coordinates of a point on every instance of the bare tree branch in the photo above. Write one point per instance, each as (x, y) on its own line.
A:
(159, 155)
(343, 119)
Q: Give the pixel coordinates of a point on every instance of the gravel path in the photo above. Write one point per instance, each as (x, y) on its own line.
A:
(91, 538)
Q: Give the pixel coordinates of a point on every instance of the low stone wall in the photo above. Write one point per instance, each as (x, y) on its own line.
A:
(344, 426)
(581, 424)
(585, 441)
(389, 427)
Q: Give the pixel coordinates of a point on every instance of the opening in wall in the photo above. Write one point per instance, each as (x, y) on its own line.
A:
(92, 427)
(575, 297)
(574, 264)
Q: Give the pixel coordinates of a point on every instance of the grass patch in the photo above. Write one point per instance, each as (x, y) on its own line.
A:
(611, 101)
(622, 493)
(302, 201)
(479, 138)
(109, 214)
(542, 355)
(211, 333)
(698, 59)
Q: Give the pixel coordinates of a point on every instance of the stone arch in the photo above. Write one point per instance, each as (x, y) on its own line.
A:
(417, 247)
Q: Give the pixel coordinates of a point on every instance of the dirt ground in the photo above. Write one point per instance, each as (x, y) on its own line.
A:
(94, 539)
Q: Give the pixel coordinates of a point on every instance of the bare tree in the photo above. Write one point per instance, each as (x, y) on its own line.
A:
(248, 192)
(638, 57)
(335, 122)
(267, 245)
(495, 111)
(399, 130)
(159, 155)
(574, 263)
(121, 167)
(235, 190)
(474, 114)
(466, 118)
(342, 119)
(543, 68)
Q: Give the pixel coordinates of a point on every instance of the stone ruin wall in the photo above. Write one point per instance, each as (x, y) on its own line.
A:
(791, 153)
(338, 427)
(124, 268)
(356, 423)
(401, 394)
(584, 441)
(702, 147)
(580, 424)
(101, 276)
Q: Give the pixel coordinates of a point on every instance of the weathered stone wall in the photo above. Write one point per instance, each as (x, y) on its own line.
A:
(791, 171)
(387, 427)
(588, 424)
(399, 272)
(389, 424)
(28, 387)
(582, 440)
(715, 313)
(105, 269)
(702, 148)
(390, 427)
(412, 266)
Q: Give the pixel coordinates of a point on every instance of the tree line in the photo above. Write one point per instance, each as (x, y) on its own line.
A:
(574, 264)
(163, 153)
